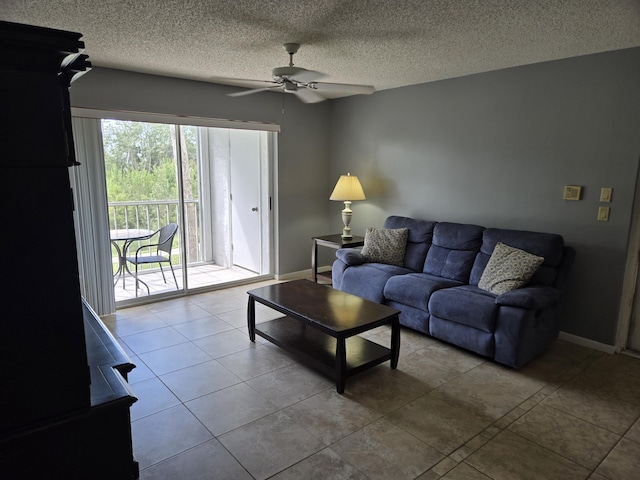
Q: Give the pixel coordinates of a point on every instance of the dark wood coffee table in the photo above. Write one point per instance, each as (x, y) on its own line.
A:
(321, 325)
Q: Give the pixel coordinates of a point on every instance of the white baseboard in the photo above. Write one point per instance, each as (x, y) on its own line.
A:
(631, 353)
(585, 342)
(295, 275)
(301, 274)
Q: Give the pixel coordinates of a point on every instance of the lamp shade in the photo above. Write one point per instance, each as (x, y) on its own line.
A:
(348, 188)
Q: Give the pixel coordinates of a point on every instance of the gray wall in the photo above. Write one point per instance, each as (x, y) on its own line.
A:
(493, 149)
(496, 149)
(302, 171)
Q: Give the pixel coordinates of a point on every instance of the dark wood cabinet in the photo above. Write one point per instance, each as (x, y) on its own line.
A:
(53, 423)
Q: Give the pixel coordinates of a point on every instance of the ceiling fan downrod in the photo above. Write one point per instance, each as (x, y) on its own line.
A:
(291, 49)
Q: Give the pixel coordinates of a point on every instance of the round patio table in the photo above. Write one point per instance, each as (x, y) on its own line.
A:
(127, 236)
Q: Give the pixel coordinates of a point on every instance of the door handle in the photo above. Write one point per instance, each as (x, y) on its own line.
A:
(254, 209)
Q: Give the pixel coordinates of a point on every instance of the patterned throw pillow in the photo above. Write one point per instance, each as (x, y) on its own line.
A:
(385, 245)
(508, 268)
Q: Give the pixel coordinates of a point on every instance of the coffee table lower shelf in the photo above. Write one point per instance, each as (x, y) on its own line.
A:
(318, 349)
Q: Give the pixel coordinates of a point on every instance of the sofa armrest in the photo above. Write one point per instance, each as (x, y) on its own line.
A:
(532, 298)
(350, 256)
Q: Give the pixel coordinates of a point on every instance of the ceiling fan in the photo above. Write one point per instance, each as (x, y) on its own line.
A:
(302, 82)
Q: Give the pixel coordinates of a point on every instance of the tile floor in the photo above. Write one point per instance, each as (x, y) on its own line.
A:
(213, 405)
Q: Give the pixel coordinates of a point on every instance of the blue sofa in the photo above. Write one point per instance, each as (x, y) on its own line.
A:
(437, 293)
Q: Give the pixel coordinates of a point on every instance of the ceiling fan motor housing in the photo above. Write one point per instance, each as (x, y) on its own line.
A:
(283, 72)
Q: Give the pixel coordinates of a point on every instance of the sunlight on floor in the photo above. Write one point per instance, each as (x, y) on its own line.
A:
(199, 276)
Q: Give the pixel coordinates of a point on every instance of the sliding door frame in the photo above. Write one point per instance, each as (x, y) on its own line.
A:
(266, 196)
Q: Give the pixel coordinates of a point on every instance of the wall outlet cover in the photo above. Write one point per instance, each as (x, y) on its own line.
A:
(603, 214)
(605, 194)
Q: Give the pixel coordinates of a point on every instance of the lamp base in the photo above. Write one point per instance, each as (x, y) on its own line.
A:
(346, 219)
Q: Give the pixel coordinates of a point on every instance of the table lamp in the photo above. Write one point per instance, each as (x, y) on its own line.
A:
(346, 190)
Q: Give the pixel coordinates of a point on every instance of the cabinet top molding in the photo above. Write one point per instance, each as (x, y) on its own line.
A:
(39, 48)
(37, 68)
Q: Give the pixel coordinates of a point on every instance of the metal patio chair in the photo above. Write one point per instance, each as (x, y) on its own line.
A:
(164, 245)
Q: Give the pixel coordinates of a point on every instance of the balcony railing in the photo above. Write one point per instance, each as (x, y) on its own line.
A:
(151, 215)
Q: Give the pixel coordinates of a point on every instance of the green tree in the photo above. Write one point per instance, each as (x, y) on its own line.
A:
(140, 166)
(138, 161)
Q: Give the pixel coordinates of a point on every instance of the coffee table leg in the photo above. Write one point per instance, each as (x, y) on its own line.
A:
(251, 318)
(341, 360)
(395, 341)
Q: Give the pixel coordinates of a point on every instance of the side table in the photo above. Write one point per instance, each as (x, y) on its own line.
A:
(334, 241)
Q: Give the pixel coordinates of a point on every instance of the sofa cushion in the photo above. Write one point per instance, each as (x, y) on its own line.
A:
(418, 240)
(508, 268)
(466, 305)
(385, 245)
(466, 337)
(453, 250)
(414, 318)
(547, 245)
(368, 280)
(414, 289)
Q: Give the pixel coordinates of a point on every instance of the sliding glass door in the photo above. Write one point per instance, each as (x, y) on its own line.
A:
(212, 182)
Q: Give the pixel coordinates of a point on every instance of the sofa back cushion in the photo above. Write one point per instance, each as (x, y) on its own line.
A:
(420, 234)
(547, 245)
(453, 250)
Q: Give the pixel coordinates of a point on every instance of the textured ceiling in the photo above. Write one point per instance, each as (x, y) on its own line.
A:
(386, 44)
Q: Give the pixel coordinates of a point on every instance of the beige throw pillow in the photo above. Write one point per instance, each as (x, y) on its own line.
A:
(508, 268)
(385, 245)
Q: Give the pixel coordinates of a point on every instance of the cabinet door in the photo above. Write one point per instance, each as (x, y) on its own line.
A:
(43, 361)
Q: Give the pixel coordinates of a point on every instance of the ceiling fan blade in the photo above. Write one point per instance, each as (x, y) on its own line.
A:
(307, 76)
(342, 88)
(249, 92)
(308, 96)
(240, 82)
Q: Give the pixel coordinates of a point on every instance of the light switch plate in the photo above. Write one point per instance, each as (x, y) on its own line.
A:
(605, 194)
(603, 214)
(572, 192)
